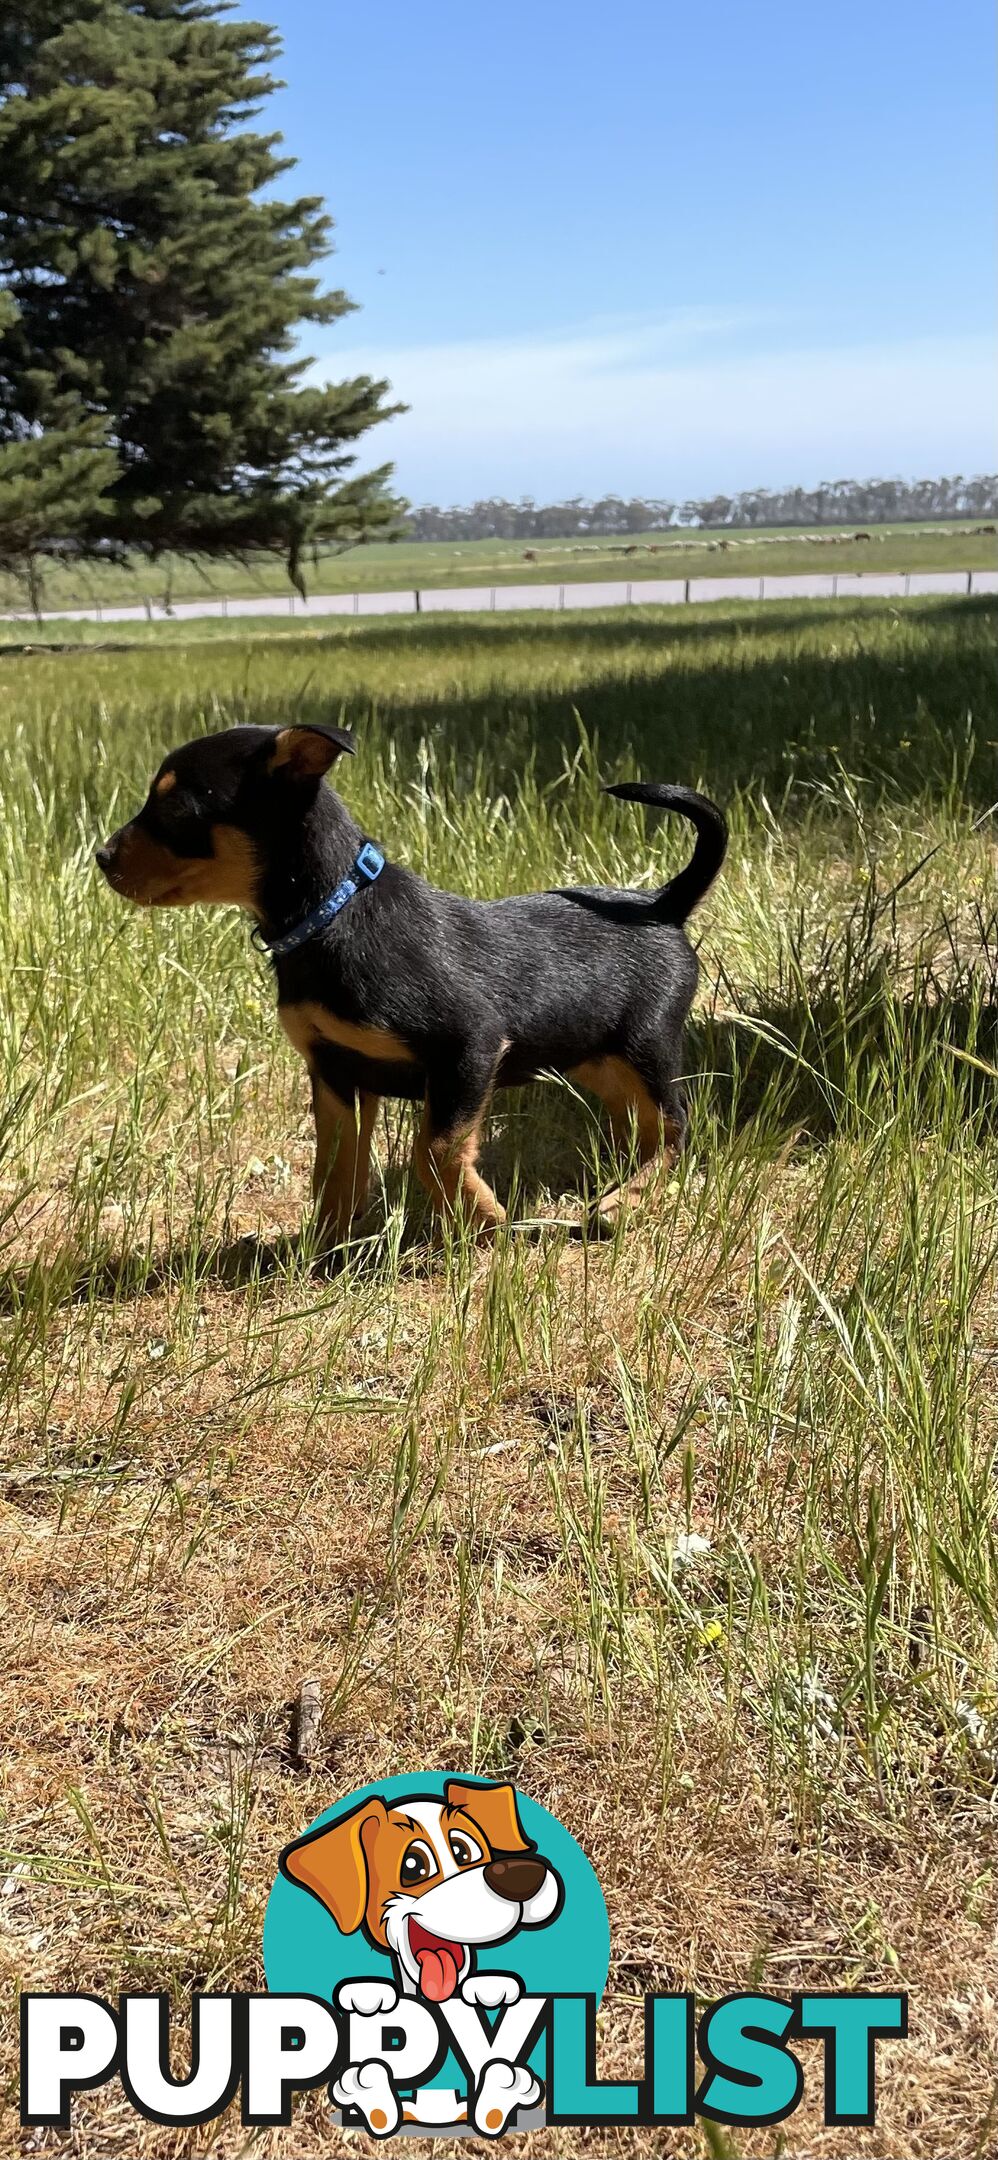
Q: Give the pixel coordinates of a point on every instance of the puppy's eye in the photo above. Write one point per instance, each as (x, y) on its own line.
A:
(180, 822)
(418, 1863)
(181, 807)
(464, 1848)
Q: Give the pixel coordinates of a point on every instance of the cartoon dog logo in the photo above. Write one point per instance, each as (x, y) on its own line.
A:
(430, 1881)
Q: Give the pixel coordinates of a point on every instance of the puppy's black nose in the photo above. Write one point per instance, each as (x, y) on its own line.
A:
(104, 855)
(516, 1876)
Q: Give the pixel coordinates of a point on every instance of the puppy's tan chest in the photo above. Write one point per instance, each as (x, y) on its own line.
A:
(309, 1024)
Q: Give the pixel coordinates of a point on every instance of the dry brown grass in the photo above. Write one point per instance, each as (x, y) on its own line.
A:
(161, 1615)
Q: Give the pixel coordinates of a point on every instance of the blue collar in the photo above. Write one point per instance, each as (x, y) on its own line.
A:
(368, 866)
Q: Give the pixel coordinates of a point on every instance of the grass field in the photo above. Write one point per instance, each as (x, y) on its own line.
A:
(398, 565)
(454, 1484)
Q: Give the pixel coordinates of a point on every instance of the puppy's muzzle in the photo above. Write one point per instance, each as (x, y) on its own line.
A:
(138, 868)
(516, 1876)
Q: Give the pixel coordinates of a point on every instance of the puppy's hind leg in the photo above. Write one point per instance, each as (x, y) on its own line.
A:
(447, 1144)
(647, 1118)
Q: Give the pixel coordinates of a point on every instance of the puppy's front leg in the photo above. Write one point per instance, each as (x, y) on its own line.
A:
(343, 1133)
(490, 1989)
(366, 1998)
(368, 2088)
(502, 2089)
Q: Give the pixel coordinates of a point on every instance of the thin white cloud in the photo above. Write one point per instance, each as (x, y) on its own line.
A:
(688, 405)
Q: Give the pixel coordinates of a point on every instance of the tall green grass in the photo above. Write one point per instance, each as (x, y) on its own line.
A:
(462, 1488)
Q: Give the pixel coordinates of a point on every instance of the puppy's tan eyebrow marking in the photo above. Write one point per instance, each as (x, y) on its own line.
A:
(166, 781)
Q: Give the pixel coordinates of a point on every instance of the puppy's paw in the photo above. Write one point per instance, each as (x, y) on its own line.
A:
(491, 1989)
(366, 1997)
(504, 2087)
(368, 2088)
(597, 1217)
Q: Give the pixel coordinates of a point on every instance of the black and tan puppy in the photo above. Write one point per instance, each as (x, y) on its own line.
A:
(389, 987)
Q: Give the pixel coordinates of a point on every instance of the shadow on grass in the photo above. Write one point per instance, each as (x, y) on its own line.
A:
(763, 697)
(882, 707)
(787, 1071)
(780, 701)
(542, 1141)
(232, 1265)
(804, 1068)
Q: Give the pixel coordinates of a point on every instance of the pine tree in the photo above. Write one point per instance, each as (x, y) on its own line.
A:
(147, 351)
(50, 483)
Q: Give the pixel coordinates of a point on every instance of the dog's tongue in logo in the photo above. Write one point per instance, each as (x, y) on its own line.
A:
(439, 1962)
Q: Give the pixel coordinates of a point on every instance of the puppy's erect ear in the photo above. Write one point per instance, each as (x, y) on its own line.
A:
(332, 1863)
(306, 752)
(493, 1807)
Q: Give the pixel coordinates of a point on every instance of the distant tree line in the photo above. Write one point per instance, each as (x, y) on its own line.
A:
(835, 502)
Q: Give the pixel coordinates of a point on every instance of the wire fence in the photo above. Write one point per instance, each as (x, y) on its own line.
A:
(500, 599)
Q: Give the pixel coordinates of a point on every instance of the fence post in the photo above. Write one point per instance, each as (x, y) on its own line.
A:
(686, 589)
(835, 584)
(907, 583)
(970, 583)
(627, 600)
(419, 604)
(561, 596)
(356, 603)
(492, 600)
(761, 584)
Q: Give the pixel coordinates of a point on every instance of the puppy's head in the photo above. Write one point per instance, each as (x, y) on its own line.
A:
(428, 1879)
(212, 813)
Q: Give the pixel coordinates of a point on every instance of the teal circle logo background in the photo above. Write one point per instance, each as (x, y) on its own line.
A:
(304, 1952)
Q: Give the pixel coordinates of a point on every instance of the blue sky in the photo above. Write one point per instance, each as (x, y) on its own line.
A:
(667, 248)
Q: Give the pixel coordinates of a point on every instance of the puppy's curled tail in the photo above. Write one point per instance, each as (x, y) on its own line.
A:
(679, 898)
